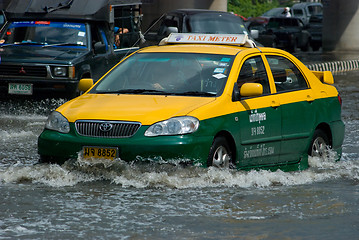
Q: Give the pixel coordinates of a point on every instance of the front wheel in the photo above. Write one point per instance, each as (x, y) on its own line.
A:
(220, 154)
(319, 146)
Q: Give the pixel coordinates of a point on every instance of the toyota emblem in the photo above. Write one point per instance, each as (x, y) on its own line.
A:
(105, 127)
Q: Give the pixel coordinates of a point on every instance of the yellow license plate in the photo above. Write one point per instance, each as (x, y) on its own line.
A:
(100, 152)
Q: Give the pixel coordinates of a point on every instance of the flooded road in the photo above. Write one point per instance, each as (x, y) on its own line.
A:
(148, 201)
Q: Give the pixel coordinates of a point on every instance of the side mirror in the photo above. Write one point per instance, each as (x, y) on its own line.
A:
(246, 90)
(170, 30)
(99, 48)
(85, 84)
(255, 33)
(251, 90)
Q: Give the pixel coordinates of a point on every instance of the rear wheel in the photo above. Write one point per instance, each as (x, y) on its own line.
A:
(319, 146)
(220, 154)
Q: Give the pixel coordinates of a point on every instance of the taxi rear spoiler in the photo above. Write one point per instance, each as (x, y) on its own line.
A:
(325, 76)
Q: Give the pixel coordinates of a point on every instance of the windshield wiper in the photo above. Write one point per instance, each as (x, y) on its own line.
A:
(133, 91)
(21, 43)
(62, 44)
(197, 93)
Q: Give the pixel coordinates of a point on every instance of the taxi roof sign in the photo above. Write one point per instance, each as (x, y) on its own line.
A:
(228, 39)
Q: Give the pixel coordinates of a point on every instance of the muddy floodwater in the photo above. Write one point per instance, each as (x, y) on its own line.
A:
(81, 200)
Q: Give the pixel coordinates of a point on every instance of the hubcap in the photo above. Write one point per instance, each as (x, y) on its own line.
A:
(320, 148)
(221, 158)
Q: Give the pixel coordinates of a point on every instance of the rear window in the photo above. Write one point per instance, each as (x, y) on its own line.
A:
(215, 23)
(298, 12)
(315, 10)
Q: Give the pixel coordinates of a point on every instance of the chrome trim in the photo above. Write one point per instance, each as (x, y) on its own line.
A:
(120, 129)
(46, 66)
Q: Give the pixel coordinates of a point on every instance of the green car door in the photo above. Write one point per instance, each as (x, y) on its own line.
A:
(260, 123)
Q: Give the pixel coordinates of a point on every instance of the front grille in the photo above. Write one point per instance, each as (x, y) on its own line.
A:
(106, 129)
(20, 70)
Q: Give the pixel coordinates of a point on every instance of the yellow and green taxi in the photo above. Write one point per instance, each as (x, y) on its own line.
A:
(211, 100)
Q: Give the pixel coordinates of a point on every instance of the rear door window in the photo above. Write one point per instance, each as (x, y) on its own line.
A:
(286, 75)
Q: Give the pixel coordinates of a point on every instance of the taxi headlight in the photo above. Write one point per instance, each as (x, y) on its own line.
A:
(57, 122)
(173, 126)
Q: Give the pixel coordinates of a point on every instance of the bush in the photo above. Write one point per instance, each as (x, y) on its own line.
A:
(253, 8)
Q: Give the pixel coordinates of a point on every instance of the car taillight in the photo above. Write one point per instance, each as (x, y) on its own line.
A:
(340, 100)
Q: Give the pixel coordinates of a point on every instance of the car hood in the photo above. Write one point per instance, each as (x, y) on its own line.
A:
(35, 54)
(146, 109)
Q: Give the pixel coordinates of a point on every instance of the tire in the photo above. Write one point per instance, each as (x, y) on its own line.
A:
(220, 154)
(319, 146)
(305, 48)
(293, 47)
(315, 46)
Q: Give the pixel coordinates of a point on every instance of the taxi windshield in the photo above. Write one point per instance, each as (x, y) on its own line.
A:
(45, 33)
(187, 74)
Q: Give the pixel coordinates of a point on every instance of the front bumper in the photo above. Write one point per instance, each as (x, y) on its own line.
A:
(190, 147)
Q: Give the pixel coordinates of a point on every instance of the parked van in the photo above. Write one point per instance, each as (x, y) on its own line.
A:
(305, 10)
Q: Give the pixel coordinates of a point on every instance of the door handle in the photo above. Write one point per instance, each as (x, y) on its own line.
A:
(310, 99)
(275, 104)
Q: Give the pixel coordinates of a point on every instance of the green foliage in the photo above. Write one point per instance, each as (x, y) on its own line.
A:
(251, 8)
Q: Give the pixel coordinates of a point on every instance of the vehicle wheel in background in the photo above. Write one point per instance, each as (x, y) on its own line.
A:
(305, 48)
(293, 47)
(315, 46)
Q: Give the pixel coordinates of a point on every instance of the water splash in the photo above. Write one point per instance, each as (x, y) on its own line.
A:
(151, 175)
(21, 107)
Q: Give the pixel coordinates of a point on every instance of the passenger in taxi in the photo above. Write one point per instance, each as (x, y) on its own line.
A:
(169, 75)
